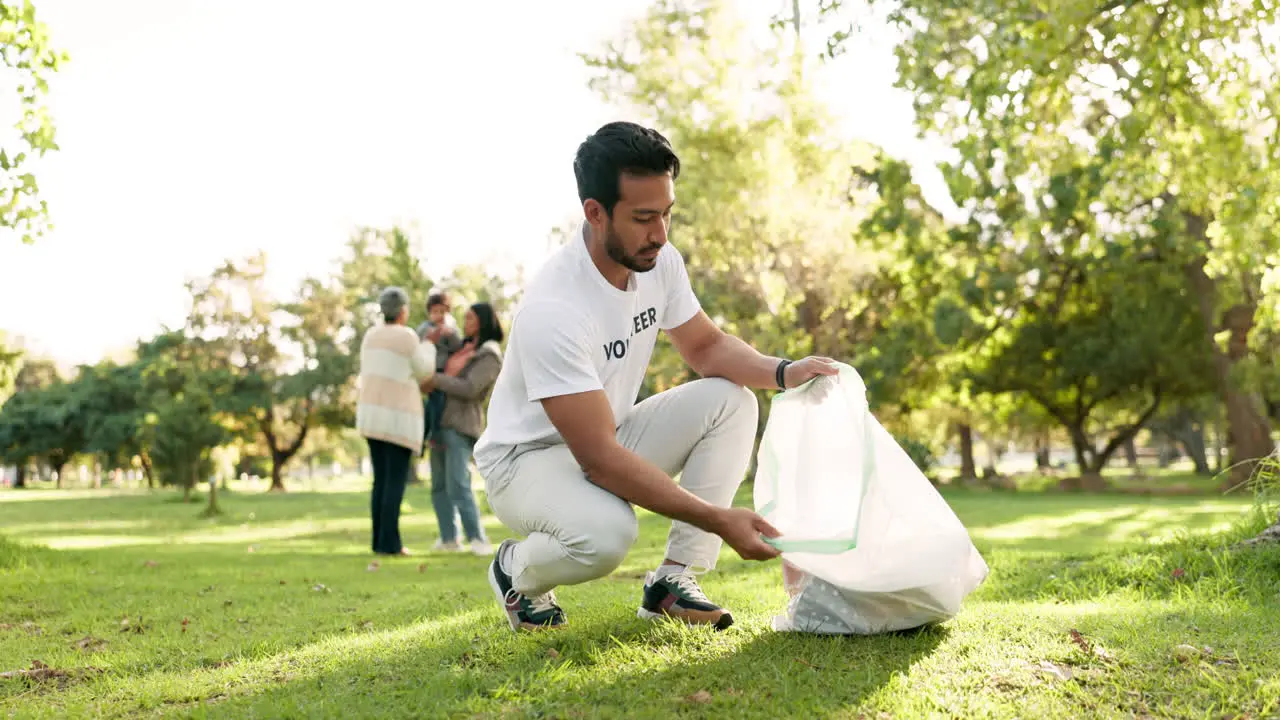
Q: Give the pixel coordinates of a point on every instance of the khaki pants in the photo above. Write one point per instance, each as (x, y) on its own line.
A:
(577, 531)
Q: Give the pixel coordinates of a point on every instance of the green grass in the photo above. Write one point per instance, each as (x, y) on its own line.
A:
(300, 628)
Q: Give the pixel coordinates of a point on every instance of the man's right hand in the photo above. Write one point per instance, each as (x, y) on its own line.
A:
(741, 529)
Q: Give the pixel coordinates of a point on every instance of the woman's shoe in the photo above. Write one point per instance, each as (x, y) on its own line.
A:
(481, 547)
(442, 546)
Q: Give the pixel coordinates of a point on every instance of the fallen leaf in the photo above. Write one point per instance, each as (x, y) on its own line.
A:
(1079, 640)
(1058, 671)
(284, 582)
(252, 548)
(89, 642)
(1185, 653)
(320, 588)
(553, 653)
(702, 696)
(185, 623)
(1178, 572)
(366, 625)
(226, 603)
(1089, 648)
(151, 563)
(422, 567)
(809, 664)
(372, 566)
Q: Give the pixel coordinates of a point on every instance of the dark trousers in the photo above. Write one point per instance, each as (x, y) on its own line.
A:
(433, 410)
(390, 473)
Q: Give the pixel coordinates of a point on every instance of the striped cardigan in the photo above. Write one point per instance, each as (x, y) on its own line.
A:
(392, 364)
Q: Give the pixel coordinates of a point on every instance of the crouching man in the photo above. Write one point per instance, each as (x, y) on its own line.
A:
(567, 451)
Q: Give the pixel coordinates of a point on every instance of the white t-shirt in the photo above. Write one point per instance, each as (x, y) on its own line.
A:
(574, 332)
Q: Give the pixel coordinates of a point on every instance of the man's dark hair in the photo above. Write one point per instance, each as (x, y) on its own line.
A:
(489, 326)
(617, 148)
(435, 299)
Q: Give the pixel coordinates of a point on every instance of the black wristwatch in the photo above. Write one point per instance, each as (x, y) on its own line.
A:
(780, 375)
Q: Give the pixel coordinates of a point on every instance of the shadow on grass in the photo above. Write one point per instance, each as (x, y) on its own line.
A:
(602, 670)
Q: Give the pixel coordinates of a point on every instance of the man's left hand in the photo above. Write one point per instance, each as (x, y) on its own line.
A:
(802, 371)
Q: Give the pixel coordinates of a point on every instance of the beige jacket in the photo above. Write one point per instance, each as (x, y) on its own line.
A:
(466, 393)
(393, 362)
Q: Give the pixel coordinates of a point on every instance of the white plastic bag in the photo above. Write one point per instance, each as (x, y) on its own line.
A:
(868, 545)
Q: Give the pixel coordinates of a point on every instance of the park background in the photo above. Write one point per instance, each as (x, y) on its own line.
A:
(1045, 234)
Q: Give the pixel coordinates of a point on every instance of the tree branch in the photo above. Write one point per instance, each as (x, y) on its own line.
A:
(1129, 432)
(304, 426)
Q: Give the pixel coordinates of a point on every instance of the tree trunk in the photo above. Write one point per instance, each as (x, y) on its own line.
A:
(1080, 445)
(277, 474)
(57, 473)
(993, 459)
(147, 471)
(212, 508)
(21, 480)
(1217, 446)
(968, 468)
(1248, 433)
(1189, 432)
(1131, 454)
(1125, 436)
(1043, 461)
(186, 491)
(280, 456)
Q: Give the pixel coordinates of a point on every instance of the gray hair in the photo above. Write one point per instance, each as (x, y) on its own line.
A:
(392, 300)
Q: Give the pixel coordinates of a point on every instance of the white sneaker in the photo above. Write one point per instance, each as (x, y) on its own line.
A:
(481, 547)
(442, 546)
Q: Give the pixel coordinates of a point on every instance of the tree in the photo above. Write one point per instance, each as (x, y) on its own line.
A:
(1178, 103)
(115, 416)
(1038, 295)
(25, 416)
(192, 398)
(376, 259)
(292, 369)
(763, 216)
(45, 423)
(17, 421)
(10, 364)
(26, 51)
(473, 283)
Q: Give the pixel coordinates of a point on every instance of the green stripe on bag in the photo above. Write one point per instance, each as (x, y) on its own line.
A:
(832, 546)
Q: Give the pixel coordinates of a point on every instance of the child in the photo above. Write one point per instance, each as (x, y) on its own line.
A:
(441, 330)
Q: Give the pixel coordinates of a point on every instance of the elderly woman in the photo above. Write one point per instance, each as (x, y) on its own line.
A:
(467, 378)
(394, 366)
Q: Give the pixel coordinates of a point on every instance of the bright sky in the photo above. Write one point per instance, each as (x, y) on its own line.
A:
(195, 131)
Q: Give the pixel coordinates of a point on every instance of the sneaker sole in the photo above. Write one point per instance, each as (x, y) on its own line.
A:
(725, 621)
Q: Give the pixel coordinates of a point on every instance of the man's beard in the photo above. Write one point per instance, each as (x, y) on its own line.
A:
(613, 247)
